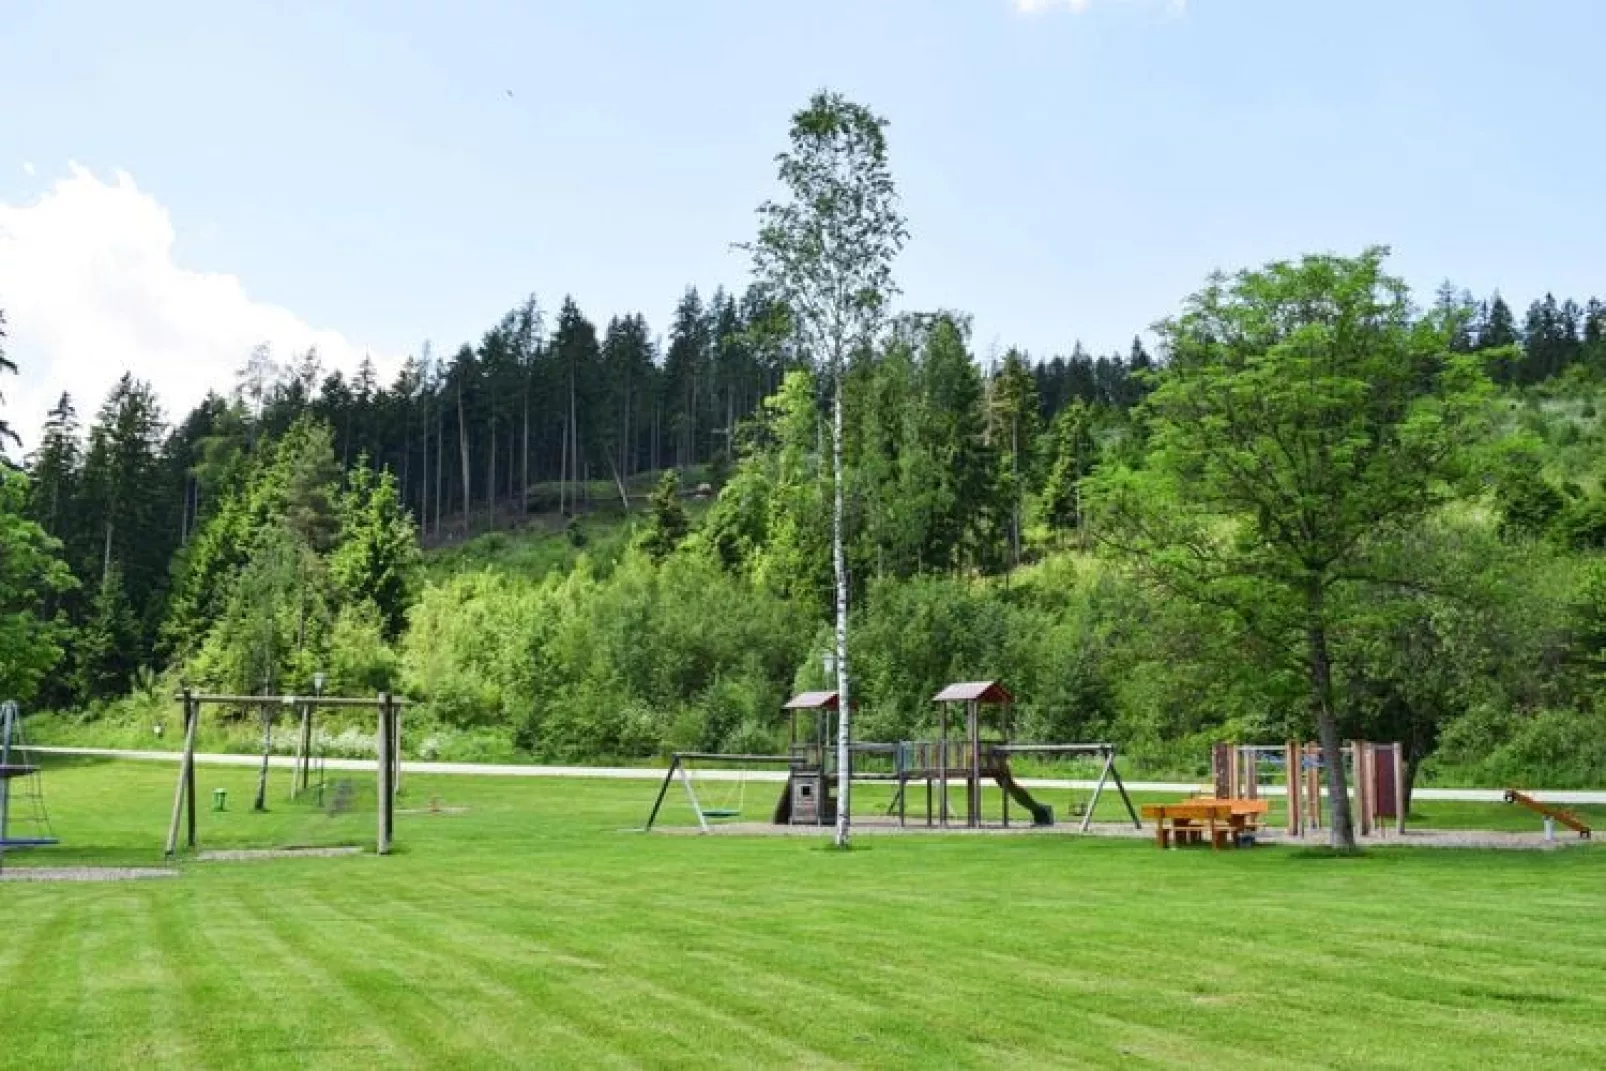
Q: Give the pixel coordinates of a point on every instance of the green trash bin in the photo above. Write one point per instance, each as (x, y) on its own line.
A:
(220, 799)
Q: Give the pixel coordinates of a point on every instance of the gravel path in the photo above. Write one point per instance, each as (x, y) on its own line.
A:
(648, 773)
(85, 873)
(238, 855)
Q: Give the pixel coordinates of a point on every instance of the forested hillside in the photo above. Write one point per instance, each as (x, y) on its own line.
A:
(275, 531)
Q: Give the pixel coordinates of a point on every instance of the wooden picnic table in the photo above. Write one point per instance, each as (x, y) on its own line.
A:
(1225, 821)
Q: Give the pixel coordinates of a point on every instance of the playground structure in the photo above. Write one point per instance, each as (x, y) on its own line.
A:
(387, 749)
(21, 783)
(1551, 814)
(1376, 780)
(976, 753)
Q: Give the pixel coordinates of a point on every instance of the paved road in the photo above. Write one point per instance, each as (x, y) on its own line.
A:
(642, 773)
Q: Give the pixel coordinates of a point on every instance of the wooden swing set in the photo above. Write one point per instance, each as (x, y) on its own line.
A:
(387, 748)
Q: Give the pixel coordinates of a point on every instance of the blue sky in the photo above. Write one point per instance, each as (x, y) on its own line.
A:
(179, 180)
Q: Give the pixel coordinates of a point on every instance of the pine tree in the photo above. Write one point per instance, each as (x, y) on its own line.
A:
(1457, 309)
(1497, 330)
(1071, 455)
(683, 365)
(1594, 334)
(576, 355)
(56, 468)
(105, 649)
(1139, 365)
(952, 428)
(625, 375)
(1013, 413)
(124, 495)
(377, 557)
(666, 518)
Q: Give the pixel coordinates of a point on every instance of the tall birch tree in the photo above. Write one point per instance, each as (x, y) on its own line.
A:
(826, 253)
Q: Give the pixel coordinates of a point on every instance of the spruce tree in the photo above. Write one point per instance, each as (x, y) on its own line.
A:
(124, 496)
(666, 518)
(377, 557)
(56, 468)
(1013, 413)
(105, 648)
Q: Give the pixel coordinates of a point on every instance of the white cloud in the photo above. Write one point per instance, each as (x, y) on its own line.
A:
(90, 290)
(27, 168)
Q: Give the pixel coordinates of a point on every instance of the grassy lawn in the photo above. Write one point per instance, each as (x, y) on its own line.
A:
(530, 930)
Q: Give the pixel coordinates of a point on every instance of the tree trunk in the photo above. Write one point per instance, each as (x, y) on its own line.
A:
(840, 568)
(624, 432)
(524, 467)
(440, 462)
(563, 466)
(423, 479)
(1014, 449)
(406, 450)
(1342, 827)
(574, 436)
(1409, 764)
(261, 803)
(490, 474)
(106, 556)
(462, 444)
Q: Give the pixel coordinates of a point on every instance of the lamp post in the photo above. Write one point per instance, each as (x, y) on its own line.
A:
(304, 773)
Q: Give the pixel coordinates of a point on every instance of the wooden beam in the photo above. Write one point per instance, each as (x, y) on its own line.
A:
(186, 771)
(1291, 817)
(1399, 787)
(382, 747)
(192, 716)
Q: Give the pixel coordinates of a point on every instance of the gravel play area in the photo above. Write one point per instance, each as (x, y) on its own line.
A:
(86, 873)
(243, 854)
(1423, 838)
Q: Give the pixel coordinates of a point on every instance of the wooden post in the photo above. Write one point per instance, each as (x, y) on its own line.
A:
(1098, 790)
(395, 749)
(942, 766)
(662, 789)
(192, 719)
(1357, 763)
(186, 777)
(1313, 787)
(1292, 821)
(303, 753)
(1399, 787)
(383, 742)
(973, 804)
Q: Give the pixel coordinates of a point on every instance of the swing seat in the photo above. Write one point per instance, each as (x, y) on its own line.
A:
(721, 812)
(28, 842)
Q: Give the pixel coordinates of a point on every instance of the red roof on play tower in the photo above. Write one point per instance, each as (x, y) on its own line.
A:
(812, 701)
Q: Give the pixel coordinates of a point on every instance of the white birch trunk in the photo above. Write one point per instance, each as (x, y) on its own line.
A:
(840, 567)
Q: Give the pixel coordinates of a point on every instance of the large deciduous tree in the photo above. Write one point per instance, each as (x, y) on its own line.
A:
(826, 252)
(30, 574)
(1307, 414)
